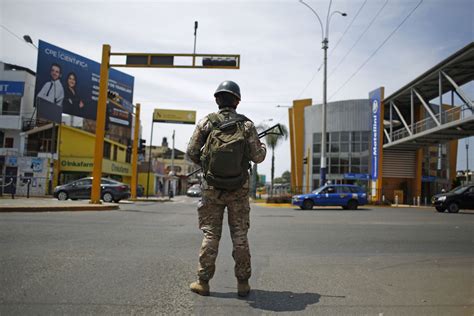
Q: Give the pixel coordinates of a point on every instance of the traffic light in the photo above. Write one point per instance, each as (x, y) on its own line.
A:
(219, 61)
(114, 96)
(141, 146)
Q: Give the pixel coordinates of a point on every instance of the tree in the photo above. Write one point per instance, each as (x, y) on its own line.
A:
(286, 176)
(273, 141)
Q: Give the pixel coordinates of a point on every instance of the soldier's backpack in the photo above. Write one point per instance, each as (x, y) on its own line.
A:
(224, 157)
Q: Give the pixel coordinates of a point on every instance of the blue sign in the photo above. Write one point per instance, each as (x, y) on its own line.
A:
(69, 83)
(356, 176)
(12, 88)
(375, 103)
(428, 179)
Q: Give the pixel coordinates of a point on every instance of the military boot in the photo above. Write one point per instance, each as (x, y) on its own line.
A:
(243, 288)
(200, 287)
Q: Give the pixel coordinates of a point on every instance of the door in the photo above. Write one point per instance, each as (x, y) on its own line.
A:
(468, 199)
(332, 196)
(10, 180)
(344, 194)
(85, 188)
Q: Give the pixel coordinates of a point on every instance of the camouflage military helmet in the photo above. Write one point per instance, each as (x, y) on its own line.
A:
(229, 87)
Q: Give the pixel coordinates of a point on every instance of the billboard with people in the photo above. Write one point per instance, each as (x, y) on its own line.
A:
(69, 83)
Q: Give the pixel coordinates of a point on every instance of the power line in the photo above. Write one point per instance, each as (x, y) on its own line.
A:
(348, 27)
(332, 50)
(376, 50)
(358, 39)
(11, 32)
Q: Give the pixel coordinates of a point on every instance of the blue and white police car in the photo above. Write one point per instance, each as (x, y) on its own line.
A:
(345, 195)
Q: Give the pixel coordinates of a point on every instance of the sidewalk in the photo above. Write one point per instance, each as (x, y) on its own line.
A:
(49, 204)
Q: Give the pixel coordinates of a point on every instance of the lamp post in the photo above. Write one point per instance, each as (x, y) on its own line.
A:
(325, 42)
(28, 39)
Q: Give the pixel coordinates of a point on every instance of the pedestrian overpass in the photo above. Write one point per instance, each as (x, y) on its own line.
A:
(412, 122)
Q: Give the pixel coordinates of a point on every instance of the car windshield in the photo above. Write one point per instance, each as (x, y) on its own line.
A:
(459, 190)
(318, 190)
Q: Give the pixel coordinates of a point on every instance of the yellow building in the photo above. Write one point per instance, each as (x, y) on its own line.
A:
(76, 157)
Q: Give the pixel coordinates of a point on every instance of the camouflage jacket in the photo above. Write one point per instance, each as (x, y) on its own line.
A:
(257, 150)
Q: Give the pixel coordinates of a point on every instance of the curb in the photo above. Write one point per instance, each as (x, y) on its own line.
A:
(34, 209)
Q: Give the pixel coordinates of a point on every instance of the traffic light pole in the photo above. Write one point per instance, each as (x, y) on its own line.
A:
(149, 161)
(100, 125)
(135, 152)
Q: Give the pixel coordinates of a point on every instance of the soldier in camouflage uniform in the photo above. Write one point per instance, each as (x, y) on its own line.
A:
(214, 201)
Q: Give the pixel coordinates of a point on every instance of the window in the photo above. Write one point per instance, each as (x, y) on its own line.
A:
(128, 156)
(8, 142)
(11, 105)
(344, 147)
(354, 189)
(2, 136)
(317, 148)
(316, 161)
(107, 146)
(344, 136)
(115, 153)
(344, 169)
(355, 147)
(343, 189)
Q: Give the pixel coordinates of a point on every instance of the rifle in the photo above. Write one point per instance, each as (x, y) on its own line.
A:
(268, 131)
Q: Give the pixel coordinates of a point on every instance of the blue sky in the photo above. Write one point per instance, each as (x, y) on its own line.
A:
(279, 43)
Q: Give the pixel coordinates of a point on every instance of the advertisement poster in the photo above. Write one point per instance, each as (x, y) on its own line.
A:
(375, 101)
(69, 83)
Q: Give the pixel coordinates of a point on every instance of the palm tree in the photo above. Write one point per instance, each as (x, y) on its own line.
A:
(273, 140)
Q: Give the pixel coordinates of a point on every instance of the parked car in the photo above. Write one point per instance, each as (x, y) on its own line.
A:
(194, 190)
(345, 195)
(459, 198)
(110, 190)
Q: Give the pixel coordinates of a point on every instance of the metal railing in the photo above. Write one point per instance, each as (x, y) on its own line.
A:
(451, 115)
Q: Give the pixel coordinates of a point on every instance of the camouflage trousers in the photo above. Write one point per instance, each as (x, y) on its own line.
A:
(211, 214)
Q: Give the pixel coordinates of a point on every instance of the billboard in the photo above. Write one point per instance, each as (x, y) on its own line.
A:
(174, 116)
(69, 83)
(375, 102)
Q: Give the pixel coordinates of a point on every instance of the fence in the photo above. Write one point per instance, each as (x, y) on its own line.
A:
(23, 186)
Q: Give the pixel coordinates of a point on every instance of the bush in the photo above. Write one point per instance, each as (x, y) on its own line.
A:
(279, 199)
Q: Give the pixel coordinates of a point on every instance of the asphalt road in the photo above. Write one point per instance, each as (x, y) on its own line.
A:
(141, 259)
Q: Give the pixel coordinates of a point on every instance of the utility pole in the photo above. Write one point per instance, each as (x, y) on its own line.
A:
(172, 173)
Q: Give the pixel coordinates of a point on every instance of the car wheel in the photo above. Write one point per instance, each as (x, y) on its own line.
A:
(107, 197)
(440, 209)
(352, 205)
(453, 207)
(62, 196)
(307, 205)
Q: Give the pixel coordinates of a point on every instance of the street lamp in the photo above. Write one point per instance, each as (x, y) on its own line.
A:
(28, 39)
(325, 42)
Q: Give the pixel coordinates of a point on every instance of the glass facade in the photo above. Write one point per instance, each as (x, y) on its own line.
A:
(347, 152)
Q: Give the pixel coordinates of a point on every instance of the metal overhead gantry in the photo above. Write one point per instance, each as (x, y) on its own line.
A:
(423, 123)
(142, 60)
